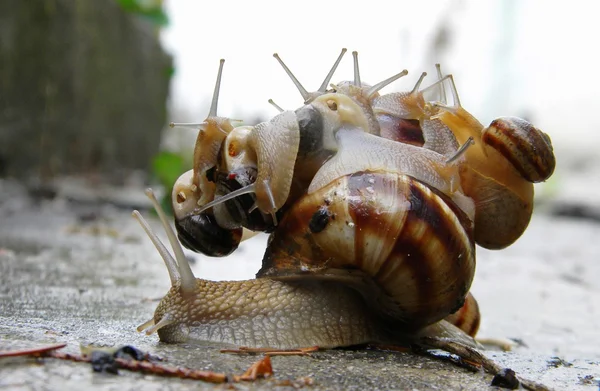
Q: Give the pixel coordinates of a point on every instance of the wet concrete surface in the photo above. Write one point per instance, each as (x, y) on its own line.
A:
(79, 271)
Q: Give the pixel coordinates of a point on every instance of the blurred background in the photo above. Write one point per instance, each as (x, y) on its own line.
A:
(86, 88)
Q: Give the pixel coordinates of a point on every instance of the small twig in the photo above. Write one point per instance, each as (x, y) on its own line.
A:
(36, 352)
(472, 356)
(150, 367)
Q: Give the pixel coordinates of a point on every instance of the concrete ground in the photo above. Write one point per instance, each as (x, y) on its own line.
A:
(76, 268)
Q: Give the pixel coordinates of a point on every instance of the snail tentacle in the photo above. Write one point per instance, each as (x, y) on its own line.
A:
(170, 262)
(373, 90)
(357, 81)
(438, 69)
(327, 79)
(250, 189)
(299, 86)
(309, 96)
(461, 151)
(272, 103)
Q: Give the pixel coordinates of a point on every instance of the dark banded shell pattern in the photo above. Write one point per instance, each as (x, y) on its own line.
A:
(383, 230)
(467, 318)
(526, 147)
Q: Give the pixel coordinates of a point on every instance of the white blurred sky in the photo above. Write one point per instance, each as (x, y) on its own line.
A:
(525, 57)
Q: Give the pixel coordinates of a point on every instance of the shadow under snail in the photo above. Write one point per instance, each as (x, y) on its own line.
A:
(373, 237)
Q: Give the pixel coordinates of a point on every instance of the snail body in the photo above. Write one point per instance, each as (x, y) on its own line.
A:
(326, 308)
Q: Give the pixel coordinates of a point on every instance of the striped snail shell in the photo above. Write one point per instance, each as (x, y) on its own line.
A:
(407, 248)
(467, 318)
(200, 232)
(527, 148)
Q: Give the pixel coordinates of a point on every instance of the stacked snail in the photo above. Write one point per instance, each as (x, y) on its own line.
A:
(374, 204)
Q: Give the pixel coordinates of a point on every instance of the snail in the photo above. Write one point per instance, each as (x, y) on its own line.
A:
(330, 308)
(498, 172)
(334, 304)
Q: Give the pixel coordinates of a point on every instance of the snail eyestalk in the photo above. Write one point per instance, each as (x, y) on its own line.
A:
(442, 88)
(303, 92)
(418, 83)
(170, 262)
(229, 196)
(272, 103)
(215, 100)
(188, 280)
(437, 83)
(356, 70)
(384, 83)
(196, 126)
(461, 151)
(455, 98)
(454, 92)
(309, 96)
(323, 86)
(271, 200)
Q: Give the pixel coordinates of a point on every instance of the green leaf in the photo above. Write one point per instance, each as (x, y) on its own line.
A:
(168, 166)
(151, 11)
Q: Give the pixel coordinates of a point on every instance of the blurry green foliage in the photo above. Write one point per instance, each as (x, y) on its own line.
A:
(170, 71)
(167, 167)
(148, 9)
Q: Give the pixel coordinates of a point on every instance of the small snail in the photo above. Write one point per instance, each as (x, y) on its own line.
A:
(497, 173)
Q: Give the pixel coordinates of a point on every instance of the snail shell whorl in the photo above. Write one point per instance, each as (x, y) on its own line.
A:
(502, 213)
(527, 148)
(467, 318)
(413, 242)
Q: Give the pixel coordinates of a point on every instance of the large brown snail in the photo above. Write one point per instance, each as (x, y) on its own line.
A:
(373, 235)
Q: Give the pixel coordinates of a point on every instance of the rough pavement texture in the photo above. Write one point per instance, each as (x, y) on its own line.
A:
(83, 272)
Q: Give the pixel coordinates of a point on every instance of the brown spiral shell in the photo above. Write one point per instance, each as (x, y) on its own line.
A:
(526, 147)
(414, 245)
